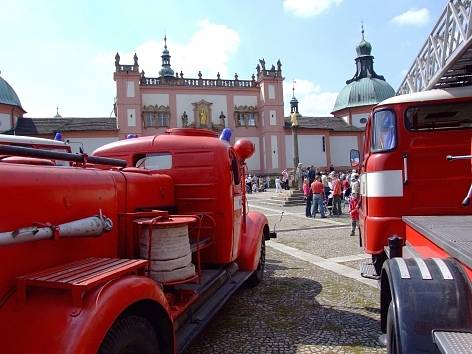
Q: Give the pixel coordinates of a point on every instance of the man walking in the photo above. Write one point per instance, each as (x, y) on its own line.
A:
(317, 189)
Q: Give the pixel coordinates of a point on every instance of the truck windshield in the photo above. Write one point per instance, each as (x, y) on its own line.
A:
(383, 131)
(439, 117)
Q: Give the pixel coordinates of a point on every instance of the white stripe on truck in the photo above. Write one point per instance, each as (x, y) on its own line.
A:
(382, 184)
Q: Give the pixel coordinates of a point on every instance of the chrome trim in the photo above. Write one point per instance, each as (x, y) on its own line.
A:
(445, 272)
(402, 267)
(425, 274)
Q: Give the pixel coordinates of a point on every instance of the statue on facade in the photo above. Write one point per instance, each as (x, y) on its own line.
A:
(272, 68)
(135, 58)
(117, 59)
(203, 117)
(184, 119)
(258, 68)
(222, 119)
(279, 65)
(262, 61)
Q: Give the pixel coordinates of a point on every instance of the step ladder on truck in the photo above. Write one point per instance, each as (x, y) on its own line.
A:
(416, 218)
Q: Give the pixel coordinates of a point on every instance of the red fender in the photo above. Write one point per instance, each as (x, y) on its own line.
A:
(250, 245)
(48, 323)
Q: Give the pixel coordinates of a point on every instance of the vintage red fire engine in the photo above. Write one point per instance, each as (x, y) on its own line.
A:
(415, 221)
(132, 249)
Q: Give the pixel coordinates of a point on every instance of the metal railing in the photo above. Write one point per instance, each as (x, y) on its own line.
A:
(445, 60)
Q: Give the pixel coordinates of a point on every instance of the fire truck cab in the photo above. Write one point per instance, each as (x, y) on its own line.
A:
(416, 220)
(404, 170)
(130, 250)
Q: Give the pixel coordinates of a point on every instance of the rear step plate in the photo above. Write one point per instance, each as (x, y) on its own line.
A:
(368, 270)
(451, 342)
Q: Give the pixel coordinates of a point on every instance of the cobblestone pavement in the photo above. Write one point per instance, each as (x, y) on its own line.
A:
(300, 307)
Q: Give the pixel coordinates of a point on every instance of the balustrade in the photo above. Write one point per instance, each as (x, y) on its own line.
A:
(174, 81)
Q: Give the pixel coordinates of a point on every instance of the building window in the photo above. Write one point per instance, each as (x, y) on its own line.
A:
(251, 119)
(245, 116)
(156, 116)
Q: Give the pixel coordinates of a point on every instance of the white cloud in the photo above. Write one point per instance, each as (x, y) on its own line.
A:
(209, 50)
(79, 79)
(412, 17)
(308, 8)
(312, 101)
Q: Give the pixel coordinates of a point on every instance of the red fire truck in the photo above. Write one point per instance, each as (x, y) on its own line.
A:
(415, 221)
(130, 250)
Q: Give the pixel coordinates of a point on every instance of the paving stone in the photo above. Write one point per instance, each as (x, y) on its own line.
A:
(299, 307)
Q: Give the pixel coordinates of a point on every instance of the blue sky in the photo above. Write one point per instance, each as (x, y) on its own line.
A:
(62, 52)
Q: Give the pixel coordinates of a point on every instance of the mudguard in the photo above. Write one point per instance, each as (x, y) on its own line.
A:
(250, 246)
(426, 294)
(48, 323)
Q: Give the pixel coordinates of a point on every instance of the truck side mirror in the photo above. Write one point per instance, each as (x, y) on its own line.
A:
(354, 156)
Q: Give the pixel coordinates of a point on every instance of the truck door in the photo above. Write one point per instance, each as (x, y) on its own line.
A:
(437, 186)
(237, 202)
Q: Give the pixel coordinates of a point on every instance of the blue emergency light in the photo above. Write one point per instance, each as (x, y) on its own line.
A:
(226, 134)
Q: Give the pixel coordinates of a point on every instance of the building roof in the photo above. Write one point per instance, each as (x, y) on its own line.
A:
(33, 126)
(325, 123)
(363, 92)
(8, 95)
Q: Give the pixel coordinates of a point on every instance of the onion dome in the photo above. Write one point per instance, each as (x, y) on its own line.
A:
(8, 96)
(366, 87)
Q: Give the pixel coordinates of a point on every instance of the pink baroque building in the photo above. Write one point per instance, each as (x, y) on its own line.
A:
(253, 109)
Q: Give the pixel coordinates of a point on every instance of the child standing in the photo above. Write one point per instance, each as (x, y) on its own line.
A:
(354, 212)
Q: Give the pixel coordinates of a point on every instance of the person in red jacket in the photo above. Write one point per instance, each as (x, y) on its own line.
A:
(354, 212)
(336, 186)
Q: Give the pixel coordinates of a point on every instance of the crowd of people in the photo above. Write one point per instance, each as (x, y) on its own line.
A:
(327, 193)
(256, 184)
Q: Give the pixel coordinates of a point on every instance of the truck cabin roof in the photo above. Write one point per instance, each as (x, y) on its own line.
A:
(430, 95)
(174, 139)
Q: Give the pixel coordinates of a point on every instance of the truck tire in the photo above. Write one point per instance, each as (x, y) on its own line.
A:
(392, 331)
(130, 335)
(258, 274)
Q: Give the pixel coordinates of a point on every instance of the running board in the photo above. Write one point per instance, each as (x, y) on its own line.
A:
(368, 271)
(189, 330)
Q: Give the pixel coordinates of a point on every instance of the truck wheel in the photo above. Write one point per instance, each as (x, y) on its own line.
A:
(392, 344)
(130, 335)
(258, 274)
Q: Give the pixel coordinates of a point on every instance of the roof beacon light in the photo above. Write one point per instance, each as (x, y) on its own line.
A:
(58, 136)
(131, 136)
(226, 134)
